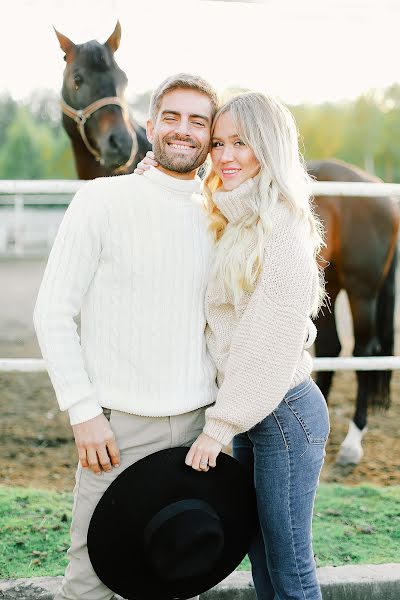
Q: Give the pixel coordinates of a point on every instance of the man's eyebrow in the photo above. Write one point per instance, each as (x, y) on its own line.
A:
(174, 112)
(204, 117)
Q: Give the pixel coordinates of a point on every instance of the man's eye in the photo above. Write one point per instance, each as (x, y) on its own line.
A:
(169, 119)
(199, 123)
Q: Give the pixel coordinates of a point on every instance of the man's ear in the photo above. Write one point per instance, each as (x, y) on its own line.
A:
(150, 130)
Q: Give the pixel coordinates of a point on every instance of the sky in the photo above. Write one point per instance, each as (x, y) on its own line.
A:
(302, 51)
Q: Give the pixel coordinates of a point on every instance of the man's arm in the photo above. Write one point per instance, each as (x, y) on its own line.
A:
(71, 267)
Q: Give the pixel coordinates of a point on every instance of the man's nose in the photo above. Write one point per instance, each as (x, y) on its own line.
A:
(182, 127)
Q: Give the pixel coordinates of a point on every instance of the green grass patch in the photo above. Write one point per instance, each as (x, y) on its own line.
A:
(351, 525)
(34, 532)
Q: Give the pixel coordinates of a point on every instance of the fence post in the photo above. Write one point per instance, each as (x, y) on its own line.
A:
(19, 225)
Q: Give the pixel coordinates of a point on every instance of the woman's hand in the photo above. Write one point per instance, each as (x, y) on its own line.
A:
(146, 163)
(203, 453)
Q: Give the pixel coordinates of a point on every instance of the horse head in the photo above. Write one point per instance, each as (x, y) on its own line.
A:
(93, 97)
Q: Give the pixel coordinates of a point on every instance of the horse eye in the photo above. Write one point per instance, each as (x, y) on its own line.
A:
(77, 81)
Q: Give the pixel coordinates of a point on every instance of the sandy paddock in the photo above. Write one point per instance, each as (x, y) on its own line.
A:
(37, 443)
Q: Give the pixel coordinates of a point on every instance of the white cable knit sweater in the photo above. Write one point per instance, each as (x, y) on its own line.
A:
(259, 345)
(132, 254)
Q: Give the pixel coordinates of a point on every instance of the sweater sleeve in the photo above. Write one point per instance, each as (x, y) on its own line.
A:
(269, 339)
(69, 272)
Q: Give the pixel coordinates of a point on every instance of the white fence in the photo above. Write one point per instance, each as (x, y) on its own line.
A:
(19, 194)
(26, 228)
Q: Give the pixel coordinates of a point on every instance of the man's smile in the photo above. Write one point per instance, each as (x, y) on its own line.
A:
(181, 147)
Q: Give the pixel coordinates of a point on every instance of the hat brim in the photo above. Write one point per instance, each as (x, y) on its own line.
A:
(116, 529)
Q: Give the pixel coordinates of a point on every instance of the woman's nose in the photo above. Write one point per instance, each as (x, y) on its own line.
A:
(227, 154)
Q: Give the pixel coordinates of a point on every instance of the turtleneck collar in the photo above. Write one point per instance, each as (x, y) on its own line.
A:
(173, 184)
(240, 203)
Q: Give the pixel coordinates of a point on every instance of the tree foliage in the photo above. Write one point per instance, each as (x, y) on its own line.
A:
(365, 132)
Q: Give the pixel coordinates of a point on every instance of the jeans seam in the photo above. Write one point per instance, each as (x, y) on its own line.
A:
(303, 390)
(291, 527)
(281, 430)
(314, 441)
(302, 423)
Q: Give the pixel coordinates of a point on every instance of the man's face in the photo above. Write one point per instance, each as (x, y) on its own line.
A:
(181, 133)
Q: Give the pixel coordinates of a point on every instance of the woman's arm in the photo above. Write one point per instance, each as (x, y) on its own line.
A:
(146, 163)
(269, 339)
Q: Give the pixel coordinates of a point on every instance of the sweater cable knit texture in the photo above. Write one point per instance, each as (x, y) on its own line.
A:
(259, 345)
(132, 255)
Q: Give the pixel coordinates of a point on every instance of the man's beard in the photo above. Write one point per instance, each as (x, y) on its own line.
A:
(179, 163)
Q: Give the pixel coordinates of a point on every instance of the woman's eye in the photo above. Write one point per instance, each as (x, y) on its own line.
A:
(216, 144)
(239, 143)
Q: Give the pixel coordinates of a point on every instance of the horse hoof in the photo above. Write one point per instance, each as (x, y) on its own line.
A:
(349, 455)
(351, 451)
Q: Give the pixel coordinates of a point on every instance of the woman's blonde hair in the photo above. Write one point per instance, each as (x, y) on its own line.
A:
(269, 129)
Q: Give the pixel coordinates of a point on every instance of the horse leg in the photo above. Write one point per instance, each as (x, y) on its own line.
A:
(385, 323)
(366, 344)
(327, 342)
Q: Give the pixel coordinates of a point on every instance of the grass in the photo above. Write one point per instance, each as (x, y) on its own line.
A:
(351, 525)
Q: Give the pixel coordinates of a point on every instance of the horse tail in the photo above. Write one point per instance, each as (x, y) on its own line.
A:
(385, 327)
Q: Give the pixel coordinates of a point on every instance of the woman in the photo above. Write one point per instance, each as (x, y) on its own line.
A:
(264, 286)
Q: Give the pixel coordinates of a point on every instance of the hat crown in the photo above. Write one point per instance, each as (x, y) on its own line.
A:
(184, 539)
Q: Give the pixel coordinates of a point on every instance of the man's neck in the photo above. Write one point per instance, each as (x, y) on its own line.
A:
(177, 175)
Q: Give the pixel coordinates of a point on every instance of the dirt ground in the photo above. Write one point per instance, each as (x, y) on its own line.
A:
(36, 442)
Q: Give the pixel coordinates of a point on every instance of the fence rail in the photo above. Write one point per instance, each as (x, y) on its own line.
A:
(370, 363)
(21, 190)
(70, 186)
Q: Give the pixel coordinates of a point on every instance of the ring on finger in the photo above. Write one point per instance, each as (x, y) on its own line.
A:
(203, 463)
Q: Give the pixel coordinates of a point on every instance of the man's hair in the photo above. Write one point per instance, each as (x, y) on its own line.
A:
(182, 81)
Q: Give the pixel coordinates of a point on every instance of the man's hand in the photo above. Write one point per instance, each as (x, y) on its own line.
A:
(203, 453)
(97, 448)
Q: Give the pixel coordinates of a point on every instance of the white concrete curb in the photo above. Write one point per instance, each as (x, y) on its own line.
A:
(361, 582)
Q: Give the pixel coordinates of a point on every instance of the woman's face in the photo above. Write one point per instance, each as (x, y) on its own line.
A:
(233, 161)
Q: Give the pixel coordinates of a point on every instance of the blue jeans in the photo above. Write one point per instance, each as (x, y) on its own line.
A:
(286, 451)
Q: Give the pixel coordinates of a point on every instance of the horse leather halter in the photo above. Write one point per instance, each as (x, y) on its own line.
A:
(80, 117)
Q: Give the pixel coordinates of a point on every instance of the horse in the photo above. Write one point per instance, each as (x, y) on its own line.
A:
(361, 258)
(105, 139)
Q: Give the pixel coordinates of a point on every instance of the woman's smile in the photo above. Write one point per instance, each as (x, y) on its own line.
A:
(233, 161)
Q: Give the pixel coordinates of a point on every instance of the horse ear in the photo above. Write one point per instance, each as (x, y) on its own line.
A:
(115, 38)
(65, 43)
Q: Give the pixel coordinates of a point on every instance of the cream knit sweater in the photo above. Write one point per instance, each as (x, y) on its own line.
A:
(259, 345)
(132, 255)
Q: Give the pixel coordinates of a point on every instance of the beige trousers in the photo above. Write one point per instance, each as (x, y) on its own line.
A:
(137, 437)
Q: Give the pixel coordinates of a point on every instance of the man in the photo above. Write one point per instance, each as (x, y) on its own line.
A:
(132, 256)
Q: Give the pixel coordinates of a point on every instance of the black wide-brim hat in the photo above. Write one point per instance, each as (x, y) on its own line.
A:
(163, 531)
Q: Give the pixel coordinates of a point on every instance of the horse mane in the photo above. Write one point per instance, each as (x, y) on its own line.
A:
(95, 56)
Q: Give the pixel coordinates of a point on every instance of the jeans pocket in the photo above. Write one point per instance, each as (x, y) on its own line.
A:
(311, 411)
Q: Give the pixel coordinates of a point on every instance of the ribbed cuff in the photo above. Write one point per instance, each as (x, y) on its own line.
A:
(84, 410)
(220, 431)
